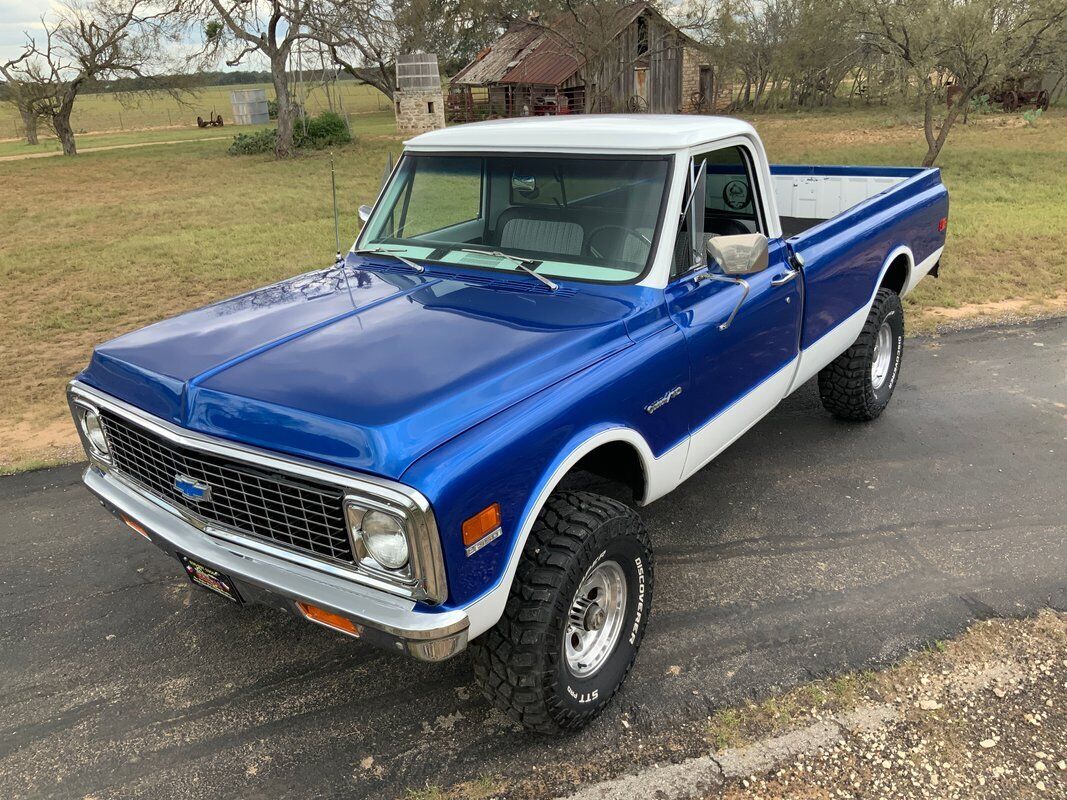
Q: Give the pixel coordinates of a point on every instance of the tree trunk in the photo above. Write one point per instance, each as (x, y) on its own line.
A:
(29, 125)
(928, 125)
(61, 122)
(934, 145)
(283, 146)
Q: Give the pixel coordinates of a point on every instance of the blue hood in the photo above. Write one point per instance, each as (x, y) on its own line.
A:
(364, 367)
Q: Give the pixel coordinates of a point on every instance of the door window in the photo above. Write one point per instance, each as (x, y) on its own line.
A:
(731, 201)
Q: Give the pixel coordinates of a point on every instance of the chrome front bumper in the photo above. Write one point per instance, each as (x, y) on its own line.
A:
(385, 620)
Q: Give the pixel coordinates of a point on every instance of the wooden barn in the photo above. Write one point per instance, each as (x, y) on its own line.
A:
(632, 60)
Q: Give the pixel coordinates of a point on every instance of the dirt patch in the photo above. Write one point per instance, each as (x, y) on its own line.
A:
(31, 443)
(999, 311)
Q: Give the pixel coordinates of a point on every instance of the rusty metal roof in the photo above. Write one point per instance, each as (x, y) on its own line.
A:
(493, 62)
(547, 62)
(529, 53)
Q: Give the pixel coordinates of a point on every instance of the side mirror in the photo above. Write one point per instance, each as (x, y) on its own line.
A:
(742, 254)
(364, 212)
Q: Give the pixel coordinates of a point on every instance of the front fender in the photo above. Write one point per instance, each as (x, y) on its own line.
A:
(517, 457)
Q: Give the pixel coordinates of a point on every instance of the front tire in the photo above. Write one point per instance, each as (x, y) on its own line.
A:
(858, 383)
(575, 617)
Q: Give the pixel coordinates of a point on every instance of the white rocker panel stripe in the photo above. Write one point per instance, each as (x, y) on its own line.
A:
(728, 425)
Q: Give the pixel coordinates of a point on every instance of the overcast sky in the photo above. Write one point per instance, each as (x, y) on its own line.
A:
(17, 16)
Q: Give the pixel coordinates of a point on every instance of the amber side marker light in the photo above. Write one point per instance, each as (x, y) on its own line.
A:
(137, 528)
(329, 619)
(482, 528)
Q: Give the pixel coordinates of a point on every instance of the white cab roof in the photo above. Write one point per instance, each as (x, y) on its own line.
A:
(585, 133)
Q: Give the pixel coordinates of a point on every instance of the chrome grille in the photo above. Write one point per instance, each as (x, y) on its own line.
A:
(294, 513)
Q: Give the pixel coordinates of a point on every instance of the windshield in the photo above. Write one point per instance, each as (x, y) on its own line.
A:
(584, 218)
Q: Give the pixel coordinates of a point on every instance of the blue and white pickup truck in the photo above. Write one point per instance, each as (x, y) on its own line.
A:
(390, 447)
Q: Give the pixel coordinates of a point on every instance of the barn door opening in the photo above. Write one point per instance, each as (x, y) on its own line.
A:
(703, 99)
(639, 102)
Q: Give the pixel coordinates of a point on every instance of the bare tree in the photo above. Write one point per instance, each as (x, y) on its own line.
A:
(364, 40)
(268, 28)
(28, 97)
(84, 41)
(371, 33)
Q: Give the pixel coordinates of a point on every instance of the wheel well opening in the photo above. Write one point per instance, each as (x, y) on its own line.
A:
(613, 469)
(896, 277)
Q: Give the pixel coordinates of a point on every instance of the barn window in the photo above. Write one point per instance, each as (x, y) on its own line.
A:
(642, 35)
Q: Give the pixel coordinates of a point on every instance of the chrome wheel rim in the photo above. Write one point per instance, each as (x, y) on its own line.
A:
(594, 621)
(883, 354)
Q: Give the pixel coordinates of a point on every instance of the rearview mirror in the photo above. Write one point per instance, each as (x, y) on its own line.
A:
(742, 254)
(364, 212)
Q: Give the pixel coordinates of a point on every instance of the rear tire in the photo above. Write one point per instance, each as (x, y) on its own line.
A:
(556, 657)
(857, 385)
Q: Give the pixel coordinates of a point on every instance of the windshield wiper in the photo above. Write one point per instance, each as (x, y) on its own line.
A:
(518, 262)
(392, 254)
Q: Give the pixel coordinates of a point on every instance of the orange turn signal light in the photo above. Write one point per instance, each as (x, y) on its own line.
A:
(481, 524)
(137, 528)
(329, 619)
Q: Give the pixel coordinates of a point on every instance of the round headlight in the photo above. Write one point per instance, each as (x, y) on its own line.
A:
(385, 540)
(94, 431)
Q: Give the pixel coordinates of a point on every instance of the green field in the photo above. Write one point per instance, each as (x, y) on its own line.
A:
(368, 124)
(143, 110)
(110, 241)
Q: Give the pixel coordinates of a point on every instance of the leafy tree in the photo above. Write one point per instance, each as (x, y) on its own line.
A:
(974, 43)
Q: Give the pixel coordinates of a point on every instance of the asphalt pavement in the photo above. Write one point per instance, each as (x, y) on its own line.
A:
(810, 548)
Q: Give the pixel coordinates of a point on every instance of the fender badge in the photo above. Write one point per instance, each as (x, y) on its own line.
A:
(652, 408)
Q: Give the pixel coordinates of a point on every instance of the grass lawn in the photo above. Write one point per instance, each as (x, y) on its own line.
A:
(141, 110)
(110, 241)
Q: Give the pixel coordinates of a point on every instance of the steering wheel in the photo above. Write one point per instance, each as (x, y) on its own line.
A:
(605, 253)
(732, 227)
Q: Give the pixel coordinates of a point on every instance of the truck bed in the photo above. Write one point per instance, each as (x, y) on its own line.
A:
(808, 195)
(847, 223)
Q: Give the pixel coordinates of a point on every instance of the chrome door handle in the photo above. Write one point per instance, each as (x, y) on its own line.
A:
(784, 278)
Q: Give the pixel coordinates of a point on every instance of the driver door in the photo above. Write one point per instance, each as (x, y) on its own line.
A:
(742, 335)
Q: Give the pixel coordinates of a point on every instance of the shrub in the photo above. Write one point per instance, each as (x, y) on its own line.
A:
(1032, 116)
(249, 144)
(325, 130)
(980, 104)
(272, 109)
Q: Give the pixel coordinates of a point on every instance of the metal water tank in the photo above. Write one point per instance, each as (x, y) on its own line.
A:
(418, 72)
(249, 107)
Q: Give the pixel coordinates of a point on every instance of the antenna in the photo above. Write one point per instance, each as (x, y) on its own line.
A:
(339, 260)
(336, 224)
